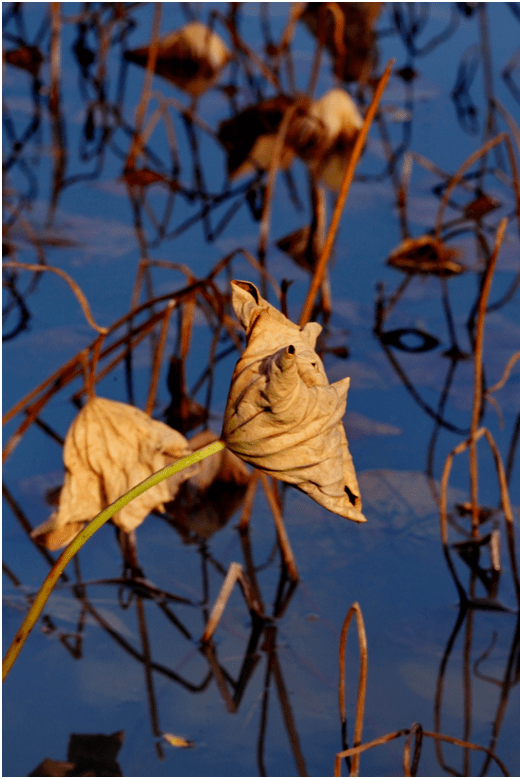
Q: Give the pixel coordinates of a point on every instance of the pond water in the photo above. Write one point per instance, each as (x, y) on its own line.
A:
(106, 659)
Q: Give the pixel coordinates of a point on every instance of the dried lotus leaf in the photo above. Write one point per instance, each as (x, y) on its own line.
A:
(282, 415)
(109, 448)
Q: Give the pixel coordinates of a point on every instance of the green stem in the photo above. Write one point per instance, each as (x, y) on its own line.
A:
(83, 536)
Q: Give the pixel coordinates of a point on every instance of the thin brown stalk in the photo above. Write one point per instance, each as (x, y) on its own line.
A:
(477, 385)
(269, 190)
(416, 732)
(456, 178)
(364, 747)
(505, 376)
(443, 506)
(283, 538)
(70, 369)
(220, 677)
(232, 576)
(288, 717)
(82, 300)
(247, 506)
(404, 732)
(88, 384)
(152, 704)
(345, 187)
(506, 508)
(362, 683)
(157, 358)
(137, 141)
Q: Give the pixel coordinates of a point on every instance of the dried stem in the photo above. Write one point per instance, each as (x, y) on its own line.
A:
(82, 300)
(345, 187)
(283, 538)
(83, 536)
(477, 386)
(363, 667)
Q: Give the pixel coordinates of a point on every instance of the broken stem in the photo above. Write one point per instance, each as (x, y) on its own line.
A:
(83, 536)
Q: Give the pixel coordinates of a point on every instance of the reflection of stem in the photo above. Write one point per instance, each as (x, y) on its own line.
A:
(157, 359)
(430, 467)
(82, 300)
(83, 536)
(58, 128)
(506, 685)
(342, 196)
(427, 734)
(466, 675)
(145, 644)
(440, 683)
(24, 522)
(477, 388)
(456, 178)
(287, 713)
(283, 538)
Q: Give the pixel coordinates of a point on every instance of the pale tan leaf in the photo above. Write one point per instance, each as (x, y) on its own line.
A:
(109, 448)
(282, 415)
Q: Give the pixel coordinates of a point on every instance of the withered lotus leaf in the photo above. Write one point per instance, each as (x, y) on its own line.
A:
(109, 448)
(191, 57)
(282, 415)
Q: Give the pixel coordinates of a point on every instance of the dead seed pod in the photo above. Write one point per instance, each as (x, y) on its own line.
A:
(191, 57)
(426, 255)
(249, 138)
(282, 415)
(109, 448)
(327, 136)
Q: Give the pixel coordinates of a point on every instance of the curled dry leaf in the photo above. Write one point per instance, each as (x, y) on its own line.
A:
(322, 132)
(109, 448)
(282, 415)
(191, 57)
(426, 255)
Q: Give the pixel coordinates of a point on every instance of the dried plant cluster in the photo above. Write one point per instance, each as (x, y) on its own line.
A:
(215, 104)
(281, 414)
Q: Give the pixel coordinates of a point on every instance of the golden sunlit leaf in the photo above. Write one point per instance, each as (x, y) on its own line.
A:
(191, 57)
(110, 447)
(282, 416)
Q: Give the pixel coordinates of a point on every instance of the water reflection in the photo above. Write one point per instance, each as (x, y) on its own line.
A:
(72, 81)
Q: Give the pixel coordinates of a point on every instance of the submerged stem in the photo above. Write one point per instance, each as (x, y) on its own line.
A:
(83, 536)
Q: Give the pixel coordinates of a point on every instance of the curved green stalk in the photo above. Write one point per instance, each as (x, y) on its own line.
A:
(83, 536)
